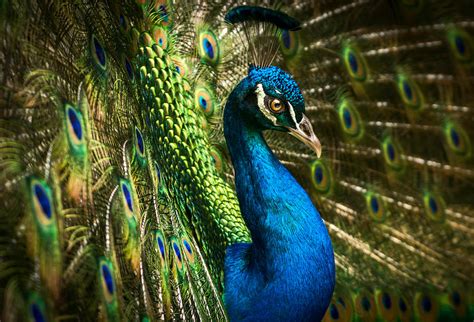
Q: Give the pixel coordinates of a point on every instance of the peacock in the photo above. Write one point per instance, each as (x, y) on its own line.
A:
(194, 160)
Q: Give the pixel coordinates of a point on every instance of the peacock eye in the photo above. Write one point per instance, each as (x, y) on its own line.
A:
(276, 106)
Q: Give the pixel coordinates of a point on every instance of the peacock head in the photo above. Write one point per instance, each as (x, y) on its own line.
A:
(273, 101)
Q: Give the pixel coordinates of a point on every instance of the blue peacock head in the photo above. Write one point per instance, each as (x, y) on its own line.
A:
(272, 100)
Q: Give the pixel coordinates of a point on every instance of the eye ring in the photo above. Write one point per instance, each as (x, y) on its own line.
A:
(277, 106)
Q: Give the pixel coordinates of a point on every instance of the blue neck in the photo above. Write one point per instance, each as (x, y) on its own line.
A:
(288, 272)
(275, 207)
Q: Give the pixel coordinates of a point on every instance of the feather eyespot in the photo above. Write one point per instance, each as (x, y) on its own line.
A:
(392, 154)
(426, 307)
(75, 123)
(181, 67)
(321, 177)
(177, 251)
(74, 127)
(106, 277)
(355, 64)
(36, 308)
(385, 302)
(289, 43)
(434, 206)
(365, 306)
(204, 100)
(177, 254)
(457, 139)
(350, 120)
(37, 313)
(41, 202)
(127, 198)
(276, 106)
(160, 36)
(402, 305)
(334, 312)
(461, 45)
(208, 47)
(98, 53)
(410, 92)
(140, 145)
(375, 206)
(161, 245)
(188, 250)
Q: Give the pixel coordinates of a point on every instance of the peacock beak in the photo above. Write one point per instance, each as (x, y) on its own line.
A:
(304, 132)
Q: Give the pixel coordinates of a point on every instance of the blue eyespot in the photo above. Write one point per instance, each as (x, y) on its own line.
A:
(347, 118)
(391, 151)
(386, 300)
(402, 305)
(456, 297)
(407, 90)
(350, 120)
(76, 124)
(455, 137)
(161, 246)
(460, 45)
(128, 196)
(204, 99)
(43, 199)
(99, 51)
(208, 48)
(353, 62)
(321, 177)
(365, 303)
(202, 102)
(177, 251)
(433, 205)
(37, 313)
(188, 247)
(426, 304)
(392, 154)
(410, 93)
(139, 140)
(289, 43)
(374, 204)
(334, 312)
(318, 174)
(108, 279)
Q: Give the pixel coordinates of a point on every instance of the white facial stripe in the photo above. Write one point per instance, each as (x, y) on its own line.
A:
(261, 104)
(277, 91)
(293, 115)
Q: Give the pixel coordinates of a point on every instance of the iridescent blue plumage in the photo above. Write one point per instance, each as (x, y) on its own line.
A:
(289, 267)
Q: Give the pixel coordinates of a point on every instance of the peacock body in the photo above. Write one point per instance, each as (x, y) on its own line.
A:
(135, 185)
